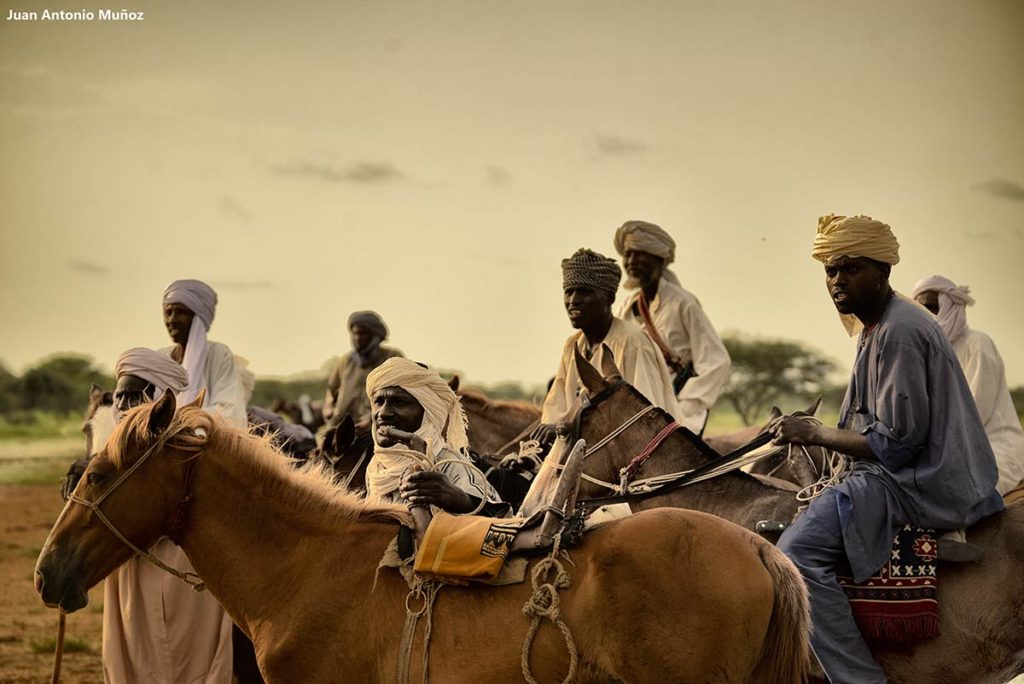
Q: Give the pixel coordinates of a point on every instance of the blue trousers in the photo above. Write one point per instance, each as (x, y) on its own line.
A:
(815, 545)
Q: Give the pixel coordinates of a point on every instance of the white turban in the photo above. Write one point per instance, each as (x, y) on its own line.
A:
(642, 236)
(855, 236)
(201, 300)
(953, 302)
(444, 422)
(153, 367)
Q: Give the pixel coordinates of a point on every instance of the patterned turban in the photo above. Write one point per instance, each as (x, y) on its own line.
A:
(196, 295)
(444, 421)
(587, 268)
(953, 302)
(855, 236)
(153, 367)
(371, 321)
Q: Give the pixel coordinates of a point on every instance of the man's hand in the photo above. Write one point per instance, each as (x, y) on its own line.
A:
(74, 474)
(410, 439)
(431, 488)
(544, 433)
(790, 430)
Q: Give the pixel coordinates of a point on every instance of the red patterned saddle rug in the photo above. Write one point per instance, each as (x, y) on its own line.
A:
(900, 602)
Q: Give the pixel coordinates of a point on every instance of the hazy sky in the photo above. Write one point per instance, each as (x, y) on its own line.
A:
(436, 160)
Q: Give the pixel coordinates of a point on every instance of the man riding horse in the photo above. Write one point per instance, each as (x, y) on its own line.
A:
(909, 422)
(419, 432)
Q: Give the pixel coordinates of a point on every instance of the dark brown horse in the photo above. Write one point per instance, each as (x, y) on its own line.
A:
(981, 603)
(495, 426)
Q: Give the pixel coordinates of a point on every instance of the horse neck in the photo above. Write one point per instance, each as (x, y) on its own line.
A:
(677, 453)
(249, 524)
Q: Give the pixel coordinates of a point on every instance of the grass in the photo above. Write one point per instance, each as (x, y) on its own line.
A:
(38, 425)
(49, 645)
(37, 461)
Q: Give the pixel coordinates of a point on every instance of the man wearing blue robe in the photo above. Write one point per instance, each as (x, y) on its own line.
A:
(910, 424)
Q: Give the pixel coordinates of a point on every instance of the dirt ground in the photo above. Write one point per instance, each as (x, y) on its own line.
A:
(26, 625)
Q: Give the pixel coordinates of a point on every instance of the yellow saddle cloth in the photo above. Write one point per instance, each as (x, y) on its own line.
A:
(467, 547)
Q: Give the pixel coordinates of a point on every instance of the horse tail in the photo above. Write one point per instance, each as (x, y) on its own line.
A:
(785, 659)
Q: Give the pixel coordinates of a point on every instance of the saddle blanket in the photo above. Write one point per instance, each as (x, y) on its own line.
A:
(900, 602)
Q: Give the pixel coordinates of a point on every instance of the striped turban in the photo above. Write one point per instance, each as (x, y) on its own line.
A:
(196, 295)
(371, 321)
(642, 236)
(855, 236)
(587, 268)
(953, 302)
(444, 421)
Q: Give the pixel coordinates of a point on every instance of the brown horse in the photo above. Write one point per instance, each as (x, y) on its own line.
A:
(665, 595)
(495, 426)
(981, 604)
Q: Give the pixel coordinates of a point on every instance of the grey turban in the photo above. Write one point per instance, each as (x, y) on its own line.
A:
(154, 367)
(196, 295)
(371, 321)
(587, 268)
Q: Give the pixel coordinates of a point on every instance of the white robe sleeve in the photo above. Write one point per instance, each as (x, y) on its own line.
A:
(711, 362)
(557, 402)
(225, 393)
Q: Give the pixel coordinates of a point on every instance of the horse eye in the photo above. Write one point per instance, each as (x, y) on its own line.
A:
(96, 478)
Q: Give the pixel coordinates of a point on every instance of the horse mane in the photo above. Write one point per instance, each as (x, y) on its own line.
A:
(486, 406)
(310, 486)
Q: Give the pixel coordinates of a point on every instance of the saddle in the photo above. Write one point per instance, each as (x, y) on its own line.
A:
(474, 548)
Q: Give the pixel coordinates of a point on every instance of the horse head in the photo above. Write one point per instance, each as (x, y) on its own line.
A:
(112, 513)
(99, 419)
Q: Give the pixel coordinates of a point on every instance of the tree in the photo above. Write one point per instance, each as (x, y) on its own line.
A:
(765, 372)
(1017, 395)
(60, 383)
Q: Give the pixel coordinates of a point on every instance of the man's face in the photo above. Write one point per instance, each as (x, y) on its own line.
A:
(586, 306)
(394, 407)
(178, 320)
(131, 391)
(643, 267)
(929, 299)
(855, 283)
(361, 337)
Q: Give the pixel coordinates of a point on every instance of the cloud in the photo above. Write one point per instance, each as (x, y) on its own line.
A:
(617, 146)
(497, 176)
(229, 284)
(1001, 187)
(359, 172)
(231, 207)
(87, 267)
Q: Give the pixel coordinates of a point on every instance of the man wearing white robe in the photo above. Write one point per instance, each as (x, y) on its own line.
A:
(156, 628)
(673, 318)
(986, 374)
(589, 283)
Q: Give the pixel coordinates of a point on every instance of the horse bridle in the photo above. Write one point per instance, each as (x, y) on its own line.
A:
(180, 516)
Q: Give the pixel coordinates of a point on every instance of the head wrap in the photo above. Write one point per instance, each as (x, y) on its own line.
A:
(372, 322)
(201, 300)
(855, 236)
(953, 302)
(642, 236)
(196, 295)
(587, 268)
(444, 421)
(153, 367)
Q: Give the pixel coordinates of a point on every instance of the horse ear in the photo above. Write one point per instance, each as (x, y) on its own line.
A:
(162, 414)
(812, 410)
(199, 400)
(589, 376)
(454, 383)
(776, 412)
(329, 437)
(345, 435)
(95, 394)
(608, 367)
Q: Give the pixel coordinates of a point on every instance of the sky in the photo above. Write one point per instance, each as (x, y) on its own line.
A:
(435, 162)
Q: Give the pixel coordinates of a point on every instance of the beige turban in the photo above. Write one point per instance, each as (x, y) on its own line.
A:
(953, 302)
(587, 268)
(646, 237)
(201, 300)
(443, 417)
(855, 236)
(154, 367)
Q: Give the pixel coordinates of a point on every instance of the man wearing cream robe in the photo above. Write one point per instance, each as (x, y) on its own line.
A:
(155, 627)
(986, 374)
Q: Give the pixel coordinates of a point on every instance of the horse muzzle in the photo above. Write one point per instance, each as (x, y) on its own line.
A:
(58, 583)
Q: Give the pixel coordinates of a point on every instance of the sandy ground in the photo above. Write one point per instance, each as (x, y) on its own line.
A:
(27, 512)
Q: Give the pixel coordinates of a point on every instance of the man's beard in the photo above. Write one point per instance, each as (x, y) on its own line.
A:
(630, 283)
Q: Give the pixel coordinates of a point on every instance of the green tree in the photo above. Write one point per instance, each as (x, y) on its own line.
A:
(1017, 394)
(60, 384)
(765, 372)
